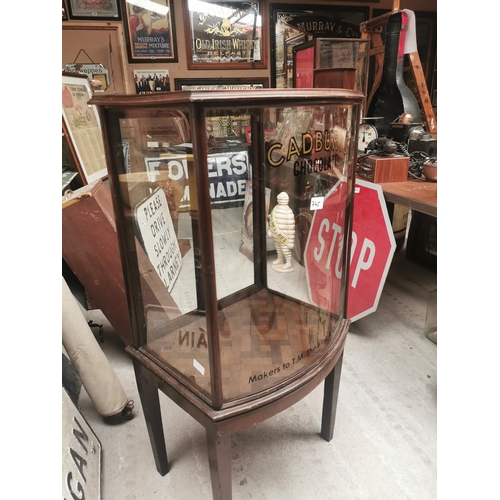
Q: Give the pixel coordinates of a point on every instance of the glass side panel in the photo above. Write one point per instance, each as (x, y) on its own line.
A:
(157, 203)
(230, 188)
(307, 170)
(282, 325)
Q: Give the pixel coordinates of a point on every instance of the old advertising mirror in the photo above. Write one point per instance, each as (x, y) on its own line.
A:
(292, 25)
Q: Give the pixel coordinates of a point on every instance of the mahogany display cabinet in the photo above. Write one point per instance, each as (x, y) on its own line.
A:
(247, 330)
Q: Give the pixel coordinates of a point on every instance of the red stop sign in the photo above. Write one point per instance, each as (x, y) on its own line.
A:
(372, 249)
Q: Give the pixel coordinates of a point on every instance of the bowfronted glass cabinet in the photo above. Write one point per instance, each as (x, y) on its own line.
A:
(242, 202)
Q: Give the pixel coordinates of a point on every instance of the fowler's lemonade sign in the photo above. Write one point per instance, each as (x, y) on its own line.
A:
(157, 233)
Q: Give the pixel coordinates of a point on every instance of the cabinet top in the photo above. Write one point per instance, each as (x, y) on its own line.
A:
(220, 97)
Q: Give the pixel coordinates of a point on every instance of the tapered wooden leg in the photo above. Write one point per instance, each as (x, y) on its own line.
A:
(150, 401)
(330, 398)
(219, 459)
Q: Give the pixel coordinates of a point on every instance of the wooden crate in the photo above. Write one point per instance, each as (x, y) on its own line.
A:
(90, 248)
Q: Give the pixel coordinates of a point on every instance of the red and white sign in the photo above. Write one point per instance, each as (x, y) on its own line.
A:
(373, 246)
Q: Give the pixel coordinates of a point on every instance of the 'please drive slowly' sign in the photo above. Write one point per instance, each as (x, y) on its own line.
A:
(158, 236)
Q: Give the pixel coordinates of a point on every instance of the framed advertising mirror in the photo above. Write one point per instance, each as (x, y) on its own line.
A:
(294, 24)
(225, 35)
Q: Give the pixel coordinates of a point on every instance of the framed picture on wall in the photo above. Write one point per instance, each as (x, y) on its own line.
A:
(82, 127)
(149, 31)
(225, 35)
(294, 23)
(151, 81)
(221, 83)
(94, 10)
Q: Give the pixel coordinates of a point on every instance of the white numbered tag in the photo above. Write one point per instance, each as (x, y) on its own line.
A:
(317, 202)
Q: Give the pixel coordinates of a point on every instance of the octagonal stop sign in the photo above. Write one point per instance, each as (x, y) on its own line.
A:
(372, 248)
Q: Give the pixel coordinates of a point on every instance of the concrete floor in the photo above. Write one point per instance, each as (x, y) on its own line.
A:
(385, 440)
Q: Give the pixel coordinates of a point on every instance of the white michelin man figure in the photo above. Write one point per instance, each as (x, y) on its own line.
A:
(282, 229)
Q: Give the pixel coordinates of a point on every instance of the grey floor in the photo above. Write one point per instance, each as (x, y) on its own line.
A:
(385, 440)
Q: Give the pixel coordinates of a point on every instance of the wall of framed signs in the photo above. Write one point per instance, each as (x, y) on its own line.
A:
(147, 45)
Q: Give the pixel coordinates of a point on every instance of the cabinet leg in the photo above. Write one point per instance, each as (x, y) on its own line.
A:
(330, 398)
(150, 401)
(219, 459)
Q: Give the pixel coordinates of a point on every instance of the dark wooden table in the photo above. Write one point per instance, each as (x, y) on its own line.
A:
(418, 195)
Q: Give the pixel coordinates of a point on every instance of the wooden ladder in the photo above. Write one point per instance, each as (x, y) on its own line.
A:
(372, 30)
